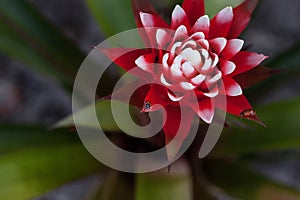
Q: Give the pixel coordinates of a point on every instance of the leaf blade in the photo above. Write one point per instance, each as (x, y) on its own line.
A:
(111, 24)
(281, 132)
(43, 46)
(161, 185)
(240, 181)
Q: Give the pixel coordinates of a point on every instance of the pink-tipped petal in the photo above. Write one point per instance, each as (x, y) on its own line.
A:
(238, 106)
(174, 97)
(187, 86)
(206, 67)
(164, 81)
(192, 56)
(157, 95)
(189, 44)
(233, 46)
(231, 87)
(233, 105)
(206, 110)
(150, 20)
(227, 67)
(188, 70)
(197, 36)
(194, 9)
(241, 17)
(176, 125)
(176, 73)
(221, 23)
(162, 38)
(197, 80)
(201, 25)
(180, 33)
(212, 92)
(143, 6)
(218, 44)
(151, 23)
(246, 61)
(146, 62)
(165, 62)
(179, 18)
(126, 58)
(215, 78)
(215, 58)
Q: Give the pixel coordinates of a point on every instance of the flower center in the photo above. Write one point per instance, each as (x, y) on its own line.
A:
(188, 65)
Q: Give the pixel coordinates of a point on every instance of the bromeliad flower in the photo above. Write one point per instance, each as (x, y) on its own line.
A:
(195, 56)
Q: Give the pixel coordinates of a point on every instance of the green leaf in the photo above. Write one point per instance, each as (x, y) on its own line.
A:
(85, 118)
(213, 7)
(241, 182)
(105, 118)
(34, 161)
(28, 173)
(113, 16)
(15, 138)
(116, 185)
(26, 35)
(282, 132)
(160, 185)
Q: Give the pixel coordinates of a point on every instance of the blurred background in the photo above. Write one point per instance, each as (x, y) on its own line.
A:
(42, 44)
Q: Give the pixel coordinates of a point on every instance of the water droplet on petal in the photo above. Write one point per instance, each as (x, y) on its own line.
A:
(248, 113)
(147, 106)
(251, 114)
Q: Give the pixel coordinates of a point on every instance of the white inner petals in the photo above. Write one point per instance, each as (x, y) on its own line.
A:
(180, 33)
(202, 24)
(197, 36)
(204, 43)
(161, 37)
(212, 93)
(218, 44)
(174, 98)
(189, 43)
(175, 71)
(141, 62)
(188, 70)
(206, 66)
(206, 114)
(191, 62)
(216, 60)
(234, 90)
(197, 80)
(165, 63)
(194, 61)
(187, 86)
(192, 56)
(215, 78)
(164, 81)
(175, 46)
(228, 67)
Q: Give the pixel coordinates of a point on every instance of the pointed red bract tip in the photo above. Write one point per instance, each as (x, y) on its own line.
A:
(256, 75)
(242, 15)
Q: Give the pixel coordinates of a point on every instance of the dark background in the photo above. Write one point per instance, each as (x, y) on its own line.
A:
(32, 98)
